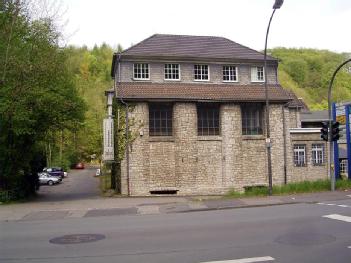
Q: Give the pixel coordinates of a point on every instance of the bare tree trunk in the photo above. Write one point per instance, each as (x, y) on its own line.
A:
(61, 146)
(14, 18)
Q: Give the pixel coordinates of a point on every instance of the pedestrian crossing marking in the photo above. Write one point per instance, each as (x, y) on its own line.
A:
(339, 217)
(244, 260)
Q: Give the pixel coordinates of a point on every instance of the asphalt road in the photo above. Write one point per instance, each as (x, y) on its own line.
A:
(80, 184)
(286, 233)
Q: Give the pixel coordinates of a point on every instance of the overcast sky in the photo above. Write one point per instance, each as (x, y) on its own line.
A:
(322, 24)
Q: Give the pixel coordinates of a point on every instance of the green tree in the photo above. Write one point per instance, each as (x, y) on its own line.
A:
(37, 93)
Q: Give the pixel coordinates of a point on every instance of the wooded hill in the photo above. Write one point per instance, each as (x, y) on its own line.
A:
(308, 72)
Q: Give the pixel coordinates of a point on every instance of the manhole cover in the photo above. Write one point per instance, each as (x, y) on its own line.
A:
(305, 239)
(76, 239)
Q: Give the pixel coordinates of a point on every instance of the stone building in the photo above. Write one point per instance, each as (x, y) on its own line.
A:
(198, 118)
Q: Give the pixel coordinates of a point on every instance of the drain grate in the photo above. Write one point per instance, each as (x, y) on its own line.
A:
(77, 239)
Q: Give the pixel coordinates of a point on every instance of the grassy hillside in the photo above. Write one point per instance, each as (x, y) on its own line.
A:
(307, 72)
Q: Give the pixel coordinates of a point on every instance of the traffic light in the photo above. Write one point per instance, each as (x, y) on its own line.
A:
(324, 131)
(335, 131)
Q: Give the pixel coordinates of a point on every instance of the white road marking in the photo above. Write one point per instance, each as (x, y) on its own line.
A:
(339, 217)
(320, 203)
(244, 260)
(348, 195)
(343, 205)
(330, 204)
(349, 247)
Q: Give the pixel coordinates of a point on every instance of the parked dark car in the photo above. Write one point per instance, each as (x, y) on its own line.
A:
(54, 171)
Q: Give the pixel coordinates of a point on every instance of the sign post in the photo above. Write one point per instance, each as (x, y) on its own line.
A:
(348, 139)
(108, 154)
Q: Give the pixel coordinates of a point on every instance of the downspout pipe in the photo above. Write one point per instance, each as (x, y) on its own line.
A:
(284, 147)
(118, 81)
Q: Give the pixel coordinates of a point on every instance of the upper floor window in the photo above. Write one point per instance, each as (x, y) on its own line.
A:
(317, 154)
(300, 155)
(257, 74)
(201, 72)
(230, 73)
(252, 119)
(207, 119)
(160, 119)
(141, 71)
(172, 72)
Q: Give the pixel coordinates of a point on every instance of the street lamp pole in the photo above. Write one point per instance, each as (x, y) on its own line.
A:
(330, 124)
(277, 5)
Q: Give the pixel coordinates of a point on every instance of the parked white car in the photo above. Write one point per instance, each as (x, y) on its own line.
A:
(45, 178)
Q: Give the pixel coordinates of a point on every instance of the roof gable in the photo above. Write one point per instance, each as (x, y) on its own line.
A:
(202, 47)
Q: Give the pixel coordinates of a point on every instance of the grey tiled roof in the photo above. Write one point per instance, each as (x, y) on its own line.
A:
(194, 92)
(200, 47)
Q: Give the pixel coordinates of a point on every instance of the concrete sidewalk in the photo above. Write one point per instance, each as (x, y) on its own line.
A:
(41, 210)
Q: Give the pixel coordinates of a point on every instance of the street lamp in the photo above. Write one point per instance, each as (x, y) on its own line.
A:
(330, 136)
(277, 5)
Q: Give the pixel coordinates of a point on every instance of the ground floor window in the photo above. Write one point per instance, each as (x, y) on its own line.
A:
(252, 118)
(299, 155)
(343, 167)
(317, 154)
(207, 119)
(160, 119)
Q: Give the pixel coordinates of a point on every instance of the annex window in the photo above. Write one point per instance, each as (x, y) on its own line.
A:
(207, 119)
(201, 72)
(343, 167)
(252, 119)
(299, 155)
(141, 71)
(317, 154)
(230, 73)
(257, 74)
(172, 72)
(160, 119)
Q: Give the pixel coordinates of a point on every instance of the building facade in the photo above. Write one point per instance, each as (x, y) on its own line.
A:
(196, 105)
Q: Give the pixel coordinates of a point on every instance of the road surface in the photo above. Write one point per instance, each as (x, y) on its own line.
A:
(291, 233)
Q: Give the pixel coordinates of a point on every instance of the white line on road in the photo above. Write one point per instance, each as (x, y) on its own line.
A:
(343, 205)
(339, 217)
(244, 260)
(348, 195)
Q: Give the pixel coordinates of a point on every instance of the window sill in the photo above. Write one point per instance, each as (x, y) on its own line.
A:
(230, 81)
(161, 139)
(254, 137)
(257, 81)
(201, 80)
(318, 164)
(209, 138)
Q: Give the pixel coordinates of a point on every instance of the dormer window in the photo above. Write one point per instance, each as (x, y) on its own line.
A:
(172, 72)
(257, 74)
(230, 74)
(141, 71)
(201, 72)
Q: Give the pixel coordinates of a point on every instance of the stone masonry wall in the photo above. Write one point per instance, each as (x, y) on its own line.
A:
(193, 164)
(309, 172)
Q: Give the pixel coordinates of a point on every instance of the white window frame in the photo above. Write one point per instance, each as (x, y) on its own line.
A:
(230, 75)
(201, 74)
(164, 71)
(254, 74)
(141, 64)
(299, 150)
(343, 167)
(317, 154)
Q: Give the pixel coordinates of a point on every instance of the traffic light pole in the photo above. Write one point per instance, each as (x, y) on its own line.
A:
(330, 138)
